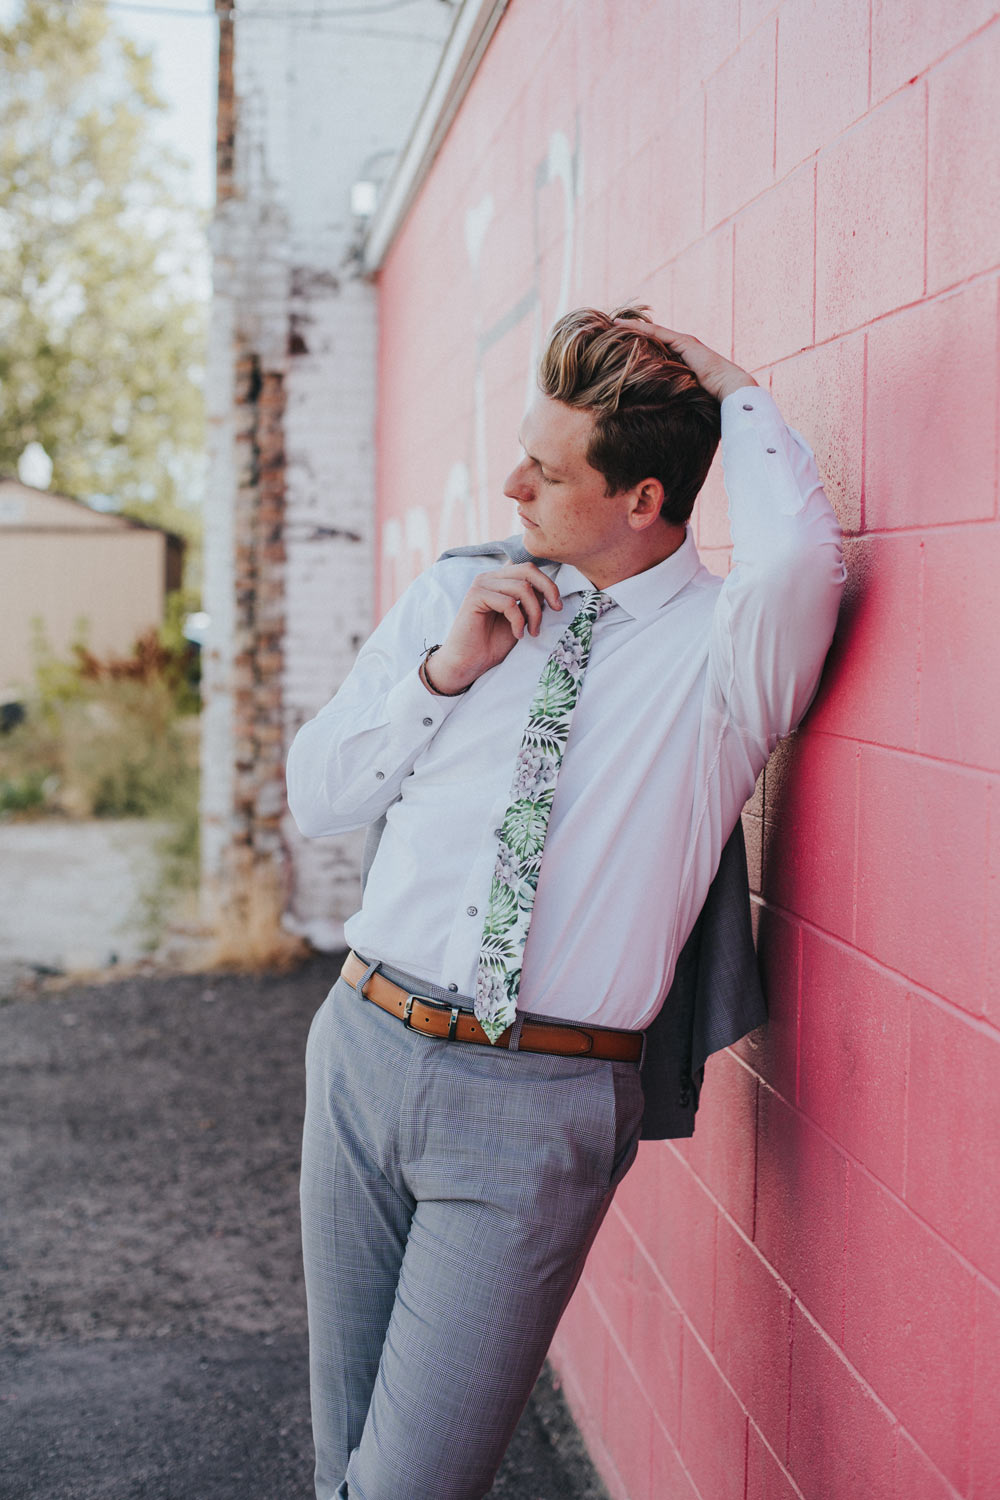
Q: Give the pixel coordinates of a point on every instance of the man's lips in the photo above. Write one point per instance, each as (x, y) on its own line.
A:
(524, 519)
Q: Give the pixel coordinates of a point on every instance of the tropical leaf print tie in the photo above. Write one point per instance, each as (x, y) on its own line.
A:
(526, 821)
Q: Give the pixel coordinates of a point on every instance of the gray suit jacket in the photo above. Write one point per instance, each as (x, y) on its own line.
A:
(716, 994)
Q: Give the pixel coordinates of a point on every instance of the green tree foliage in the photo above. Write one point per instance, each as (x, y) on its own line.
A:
(101, 330)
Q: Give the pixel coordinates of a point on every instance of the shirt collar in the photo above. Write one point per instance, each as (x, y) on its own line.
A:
(644, 593)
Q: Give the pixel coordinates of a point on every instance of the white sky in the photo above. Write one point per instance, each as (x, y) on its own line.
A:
(185, 48)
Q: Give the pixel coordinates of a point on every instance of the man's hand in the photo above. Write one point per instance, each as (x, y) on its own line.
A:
(719, 376)
(499, 607)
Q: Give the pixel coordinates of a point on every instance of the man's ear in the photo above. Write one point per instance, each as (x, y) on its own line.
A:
(647, 502)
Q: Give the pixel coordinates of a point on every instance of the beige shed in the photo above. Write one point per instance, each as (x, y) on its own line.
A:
(62, 562)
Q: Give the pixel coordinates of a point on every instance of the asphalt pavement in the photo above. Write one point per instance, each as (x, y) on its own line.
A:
(153, 1317)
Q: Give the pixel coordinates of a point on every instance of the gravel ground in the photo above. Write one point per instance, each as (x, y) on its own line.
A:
(152, 1312)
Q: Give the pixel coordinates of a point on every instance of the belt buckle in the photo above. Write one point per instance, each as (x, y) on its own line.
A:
(456, 1011)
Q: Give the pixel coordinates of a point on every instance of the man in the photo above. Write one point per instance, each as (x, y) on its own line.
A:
(560, 748)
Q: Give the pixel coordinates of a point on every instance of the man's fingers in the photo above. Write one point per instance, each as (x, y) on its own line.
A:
(502, 603)
(533, 574)
(517, 621)
(680, 342)
(531, 605)
(496, 587)
(545, 585)
(716, 374)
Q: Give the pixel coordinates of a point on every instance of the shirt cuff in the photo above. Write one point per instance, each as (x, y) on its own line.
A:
(749, 407)
(414, 713)
(759, 454)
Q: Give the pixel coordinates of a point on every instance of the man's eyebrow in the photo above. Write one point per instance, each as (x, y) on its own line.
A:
(540, 461)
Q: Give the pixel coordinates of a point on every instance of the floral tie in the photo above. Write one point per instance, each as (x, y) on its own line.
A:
(526, 821)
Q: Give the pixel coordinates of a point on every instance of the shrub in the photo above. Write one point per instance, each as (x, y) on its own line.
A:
(107, 736)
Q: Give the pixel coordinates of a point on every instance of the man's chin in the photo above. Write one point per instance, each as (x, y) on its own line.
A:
(534, 546)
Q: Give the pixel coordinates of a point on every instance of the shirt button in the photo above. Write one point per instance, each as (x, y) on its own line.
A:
(747, 407)
(428, 723)
(453, 988)
(472, 910)
(379, 775)
(772, 450)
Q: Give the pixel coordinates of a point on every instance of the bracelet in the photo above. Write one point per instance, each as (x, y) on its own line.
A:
(423, 672)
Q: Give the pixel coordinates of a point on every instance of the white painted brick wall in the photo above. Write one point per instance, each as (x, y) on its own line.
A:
(315, 103)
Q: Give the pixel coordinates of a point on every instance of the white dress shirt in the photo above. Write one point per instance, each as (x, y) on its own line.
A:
(692, 680)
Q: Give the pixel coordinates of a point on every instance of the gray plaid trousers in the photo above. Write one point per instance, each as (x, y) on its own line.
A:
(450, 1194)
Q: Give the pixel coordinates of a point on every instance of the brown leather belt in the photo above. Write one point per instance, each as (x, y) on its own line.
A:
(452, 1023)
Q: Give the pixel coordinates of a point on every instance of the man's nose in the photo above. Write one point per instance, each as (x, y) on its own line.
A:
(516, 486)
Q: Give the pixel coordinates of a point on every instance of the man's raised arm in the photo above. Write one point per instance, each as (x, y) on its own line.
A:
(778, 607)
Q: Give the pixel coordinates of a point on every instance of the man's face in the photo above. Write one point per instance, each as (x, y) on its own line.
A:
(560, 499)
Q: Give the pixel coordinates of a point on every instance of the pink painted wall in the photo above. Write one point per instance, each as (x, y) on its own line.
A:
(805, 1299)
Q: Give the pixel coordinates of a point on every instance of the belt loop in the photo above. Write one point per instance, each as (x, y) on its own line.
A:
(514, 1045)
(360, 986)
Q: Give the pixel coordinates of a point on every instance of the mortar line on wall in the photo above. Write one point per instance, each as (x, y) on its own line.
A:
(897, 1198)
(991, 788)
(815, 172)
(794, 1299)
(922, 755)
(921, 580)
(798, 1005)
(843, 1257)
(754, 1248)
(774, 112)
(659, 1276)
(857, 845)
(927, 170)
(845, 1359)
(680, 1380)
(724, 60)
(756, 1152)
(941, 294)
(905, 1166)
(732, 291)
(613, 1338)
(704, 154)
(782, 1464)
(947, 1488)
(976, 1341)
(591, 1430)
(982, 1024)
(996, 443)
(791, 1355)
(862, 498)
(677, 1453)
(868, 1389)
(723, 1213)
(713, 1362)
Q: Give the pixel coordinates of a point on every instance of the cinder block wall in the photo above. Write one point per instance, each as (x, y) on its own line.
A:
(805, 1299)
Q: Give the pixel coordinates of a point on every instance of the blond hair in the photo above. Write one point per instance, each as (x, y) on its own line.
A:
(652, 420)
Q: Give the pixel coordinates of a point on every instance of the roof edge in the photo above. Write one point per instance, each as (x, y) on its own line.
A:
(468, 39)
